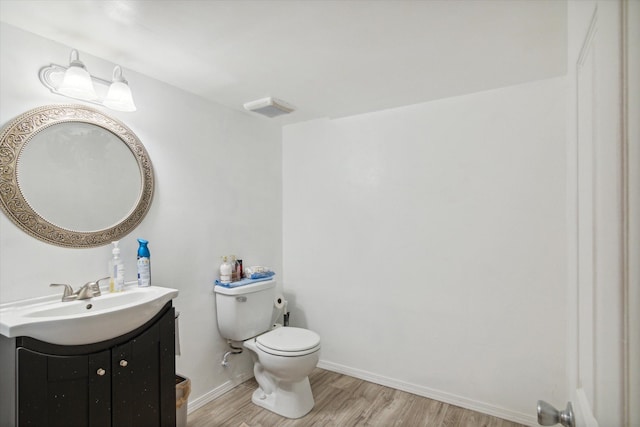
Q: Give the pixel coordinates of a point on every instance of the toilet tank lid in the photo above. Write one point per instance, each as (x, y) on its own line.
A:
(245, 289)
(289, 339)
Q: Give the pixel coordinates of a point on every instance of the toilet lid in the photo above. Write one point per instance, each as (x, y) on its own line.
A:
(289, 339)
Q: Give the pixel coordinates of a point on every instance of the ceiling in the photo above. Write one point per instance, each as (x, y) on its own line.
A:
(328, 58)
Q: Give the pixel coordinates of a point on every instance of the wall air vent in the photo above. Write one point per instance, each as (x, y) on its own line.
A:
(269, 107)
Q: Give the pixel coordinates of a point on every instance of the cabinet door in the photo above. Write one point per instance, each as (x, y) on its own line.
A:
(144, 377)
(100, 389)
(63, 391)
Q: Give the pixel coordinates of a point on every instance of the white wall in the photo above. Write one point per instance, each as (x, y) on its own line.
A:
(427, 244)
(218, 191)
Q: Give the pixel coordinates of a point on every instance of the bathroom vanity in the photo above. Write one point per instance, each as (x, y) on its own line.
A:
(124, 381)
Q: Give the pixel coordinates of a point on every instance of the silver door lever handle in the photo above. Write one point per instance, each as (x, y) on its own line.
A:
(548, 415)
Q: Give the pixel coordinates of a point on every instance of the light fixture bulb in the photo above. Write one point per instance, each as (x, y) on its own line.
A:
(119, 94)
(77, 80)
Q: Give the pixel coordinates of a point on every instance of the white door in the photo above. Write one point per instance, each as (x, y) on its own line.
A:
(598, 285)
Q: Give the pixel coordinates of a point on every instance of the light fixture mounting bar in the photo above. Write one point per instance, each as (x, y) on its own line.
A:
(52, 75)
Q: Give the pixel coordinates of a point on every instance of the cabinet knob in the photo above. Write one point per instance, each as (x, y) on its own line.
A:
(123, 363)
(100, 371)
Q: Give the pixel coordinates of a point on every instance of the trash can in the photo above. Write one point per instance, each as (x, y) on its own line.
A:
(183, 389)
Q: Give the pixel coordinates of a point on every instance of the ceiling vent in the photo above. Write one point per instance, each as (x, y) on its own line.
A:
(269, 107)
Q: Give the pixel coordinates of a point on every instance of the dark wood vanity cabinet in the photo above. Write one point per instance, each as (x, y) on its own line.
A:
(126, 381)
(63, 390)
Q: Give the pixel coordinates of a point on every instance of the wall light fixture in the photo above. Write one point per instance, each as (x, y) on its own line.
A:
(75, 82)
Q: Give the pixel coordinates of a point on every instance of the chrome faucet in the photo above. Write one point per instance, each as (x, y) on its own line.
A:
(86, 291)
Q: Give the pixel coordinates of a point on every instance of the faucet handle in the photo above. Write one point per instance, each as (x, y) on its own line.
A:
(68, 290)
(94, 287)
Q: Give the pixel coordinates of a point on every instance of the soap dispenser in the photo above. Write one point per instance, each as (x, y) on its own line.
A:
(116, 270)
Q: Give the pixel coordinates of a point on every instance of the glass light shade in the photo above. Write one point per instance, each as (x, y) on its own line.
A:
(77, 84)
(119, 97)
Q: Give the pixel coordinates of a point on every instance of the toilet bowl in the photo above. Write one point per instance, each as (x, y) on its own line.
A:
(283, 359)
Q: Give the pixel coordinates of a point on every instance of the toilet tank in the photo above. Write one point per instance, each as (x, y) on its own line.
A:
(245, 311)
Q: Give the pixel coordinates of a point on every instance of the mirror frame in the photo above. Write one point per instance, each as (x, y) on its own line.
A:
(14, 137)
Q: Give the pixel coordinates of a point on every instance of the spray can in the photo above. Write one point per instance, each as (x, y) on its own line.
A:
(144, 264)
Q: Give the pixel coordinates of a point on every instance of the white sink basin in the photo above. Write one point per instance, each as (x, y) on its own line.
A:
(86, 321)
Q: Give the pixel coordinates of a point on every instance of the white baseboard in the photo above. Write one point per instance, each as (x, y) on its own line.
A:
(217, 392)
(441, 396)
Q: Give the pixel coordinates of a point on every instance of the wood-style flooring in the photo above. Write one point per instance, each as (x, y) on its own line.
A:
(342, 401)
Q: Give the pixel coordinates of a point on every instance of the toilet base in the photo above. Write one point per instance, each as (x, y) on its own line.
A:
(291, 400)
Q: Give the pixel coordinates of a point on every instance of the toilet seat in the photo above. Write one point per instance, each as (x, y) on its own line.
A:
(289, 342)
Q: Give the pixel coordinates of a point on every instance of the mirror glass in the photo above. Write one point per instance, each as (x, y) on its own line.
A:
(79, 176)
(72, 176)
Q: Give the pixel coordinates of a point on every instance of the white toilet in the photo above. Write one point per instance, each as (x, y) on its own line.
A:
(283, 357)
